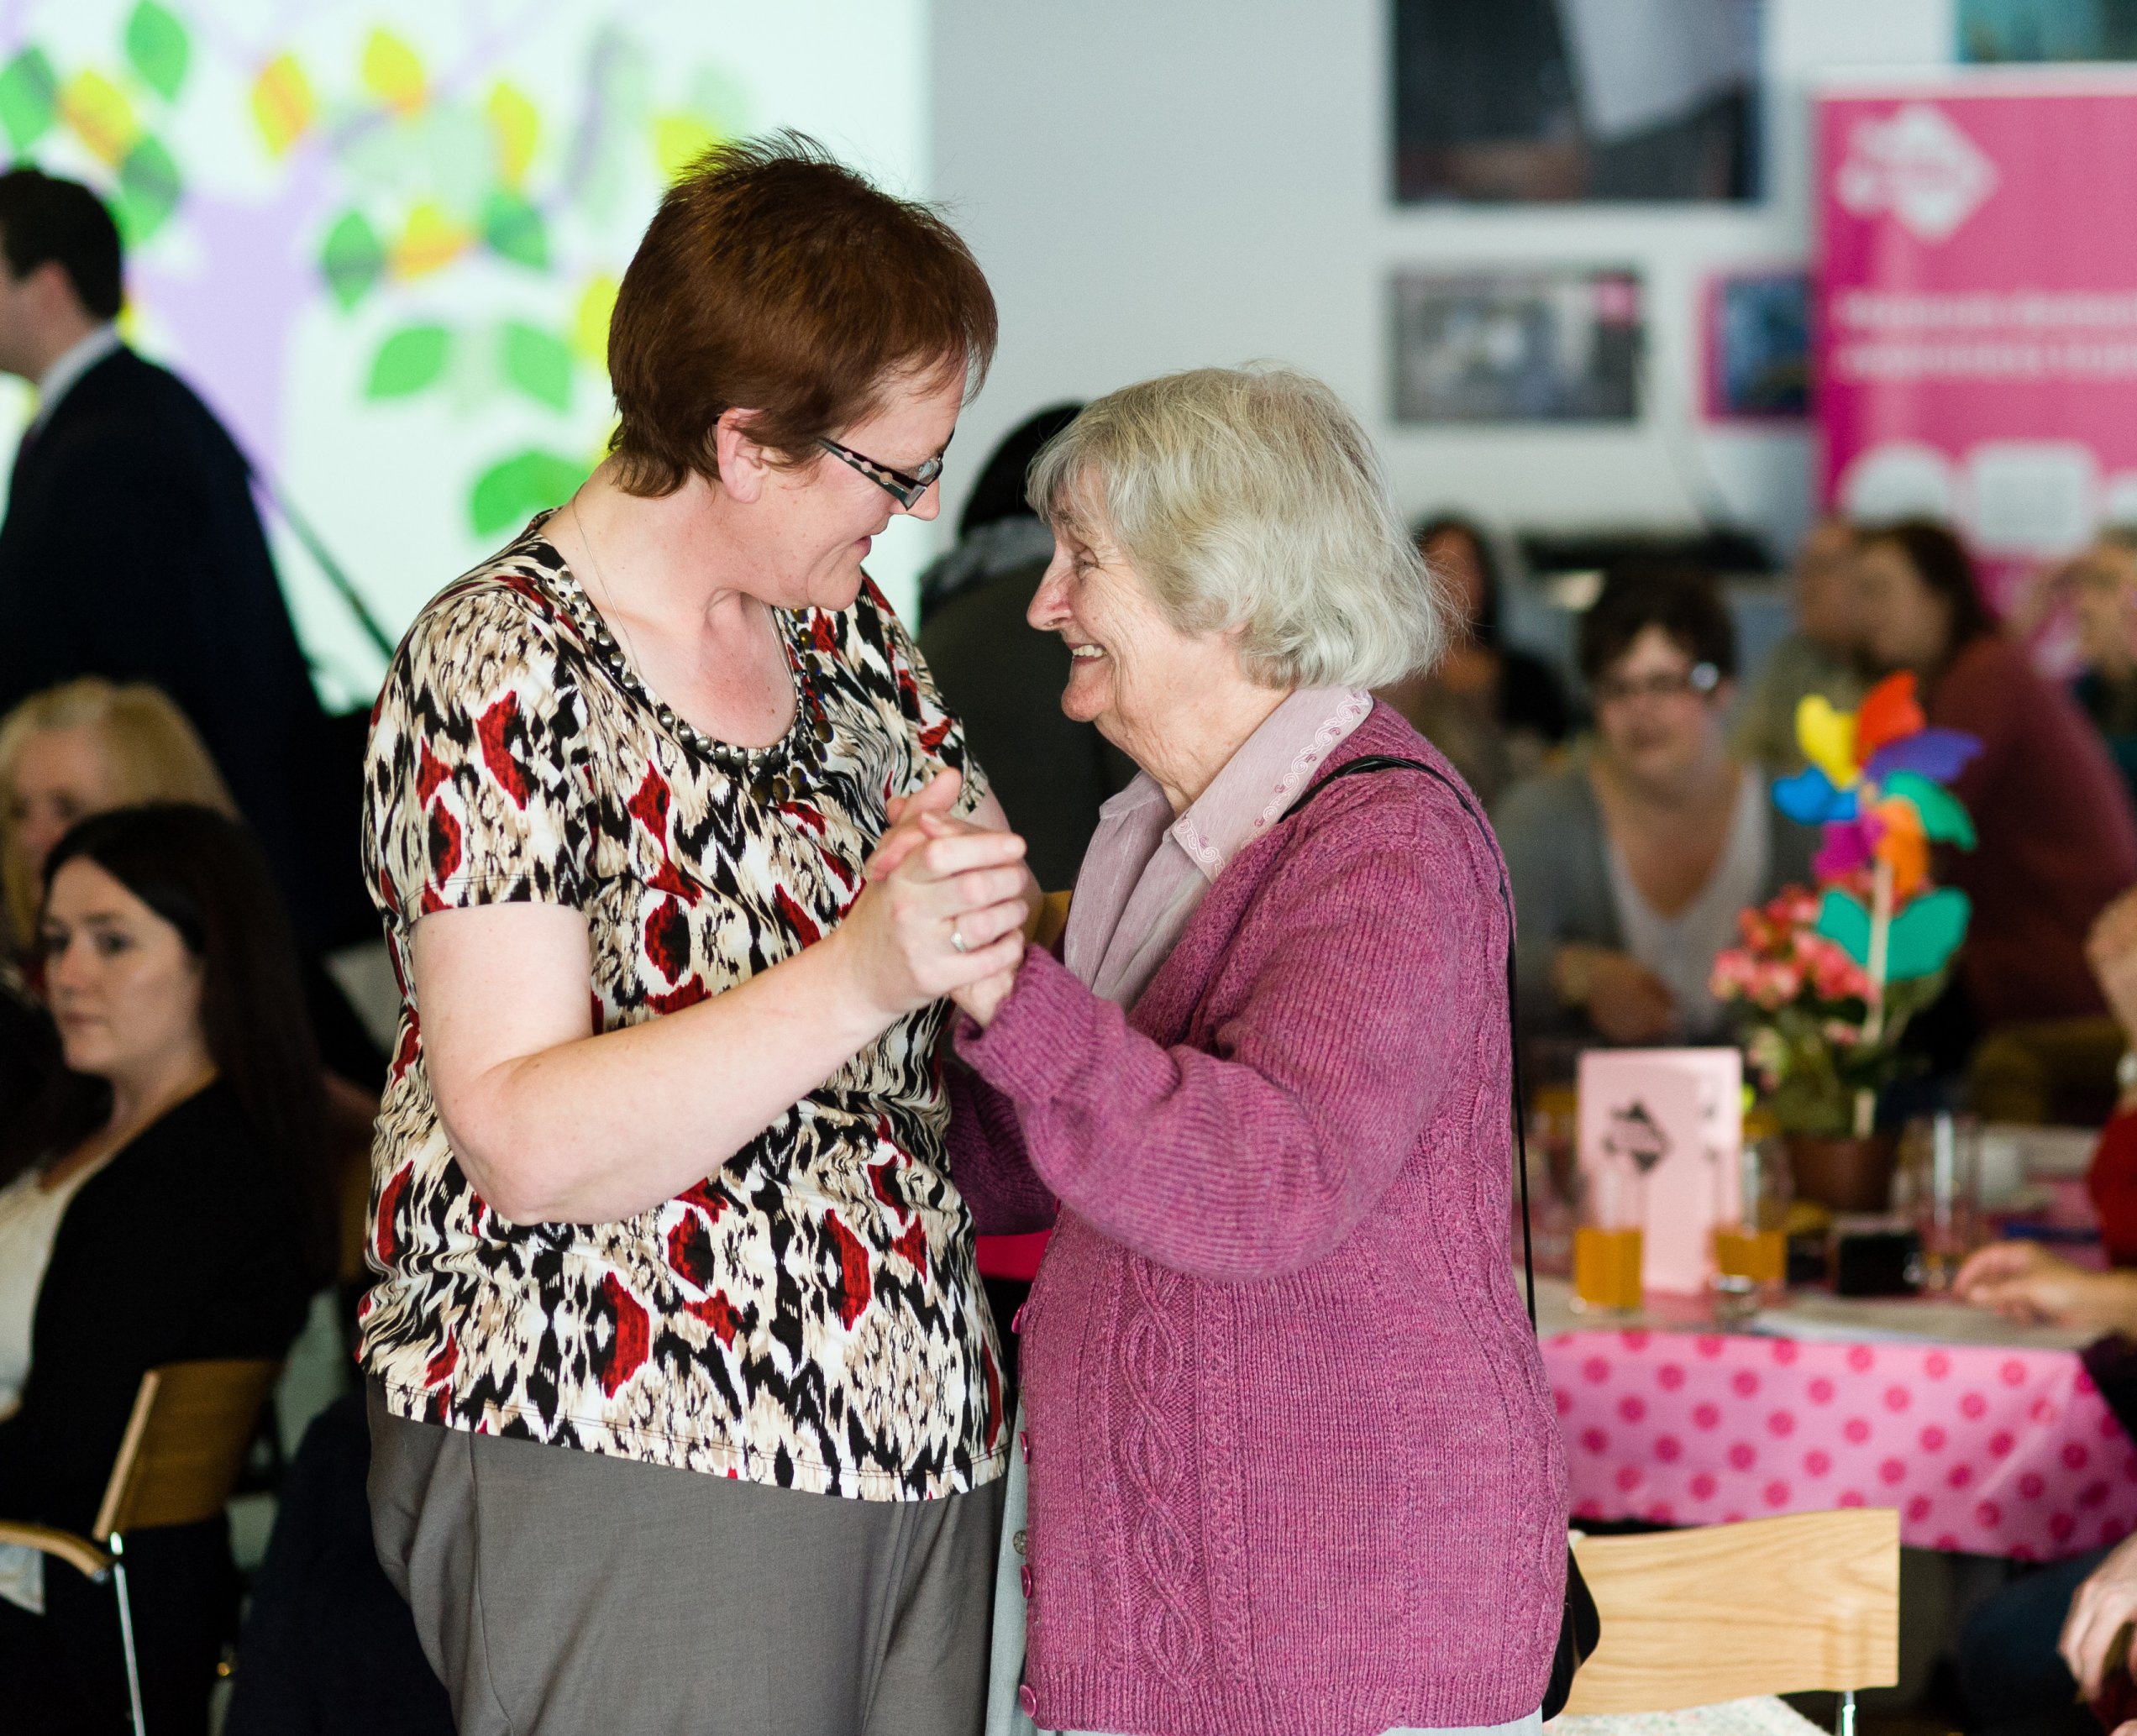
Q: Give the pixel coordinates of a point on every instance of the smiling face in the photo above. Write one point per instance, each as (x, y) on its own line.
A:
(1133, 672)
(1905, 624)
(1659, 711)
(123, 987)
(825, 514)
(2103, 606)
(61, 776)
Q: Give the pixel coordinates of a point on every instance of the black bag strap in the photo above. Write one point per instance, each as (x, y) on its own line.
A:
(1366, 763)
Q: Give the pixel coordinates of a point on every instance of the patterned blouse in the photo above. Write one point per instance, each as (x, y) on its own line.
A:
(808, 1315)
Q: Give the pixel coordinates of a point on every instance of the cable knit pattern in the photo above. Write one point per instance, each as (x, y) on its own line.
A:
(1295, 1464)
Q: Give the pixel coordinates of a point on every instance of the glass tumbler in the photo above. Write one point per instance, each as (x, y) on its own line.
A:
(1751, 1252)
(1607, 1240)
(1940, 1187)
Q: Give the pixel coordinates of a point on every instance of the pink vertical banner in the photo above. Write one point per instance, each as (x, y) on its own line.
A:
(1976, 305)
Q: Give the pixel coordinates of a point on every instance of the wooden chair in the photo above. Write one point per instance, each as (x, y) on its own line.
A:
(184, 1446)
(1729, 1612)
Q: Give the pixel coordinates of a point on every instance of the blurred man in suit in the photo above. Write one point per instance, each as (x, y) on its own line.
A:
(132, 548)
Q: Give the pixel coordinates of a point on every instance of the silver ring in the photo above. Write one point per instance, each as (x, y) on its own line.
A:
(956, 938)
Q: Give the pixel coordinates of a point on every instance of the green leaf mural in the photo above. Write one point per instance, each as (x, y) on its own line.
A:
(515, 231)
(159, 48)
(148, 190)
(537, 363)
(30, 97)
(411, 359)
(352, 259)
(512, 490)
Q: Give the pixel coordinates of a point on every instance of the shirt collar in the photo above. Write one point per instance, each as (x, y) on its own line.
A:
(72, 364)
(1263, 778)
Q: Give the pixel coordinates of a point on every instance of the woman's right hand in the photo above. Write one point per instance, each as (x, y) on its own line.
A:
(931, 887)
(1627, 1002)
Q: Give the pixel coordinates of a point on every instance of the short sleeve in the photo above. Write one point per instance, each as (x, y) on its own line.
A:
(934, 736)
(474, 778)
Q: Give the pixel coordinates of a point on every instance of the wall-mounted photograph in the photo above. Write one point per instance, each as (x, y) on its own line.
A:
(1757, 345)
(1537, 344)
(1567, 100)
(1991, 30)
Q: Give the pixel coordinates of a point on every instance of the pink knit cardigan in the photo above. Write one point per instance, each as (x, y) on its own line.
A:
(1294, 1466)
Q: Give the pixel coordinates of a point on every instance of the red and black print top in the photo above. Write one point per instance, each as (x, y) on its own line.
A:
(808, 1315)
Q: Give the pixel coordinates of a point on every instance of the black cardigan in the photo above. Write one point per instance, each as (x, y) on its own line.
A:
(186, 1245)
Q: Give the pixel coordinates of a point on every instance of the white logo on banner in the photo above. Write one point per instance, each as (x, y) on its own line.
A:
(1919, 166)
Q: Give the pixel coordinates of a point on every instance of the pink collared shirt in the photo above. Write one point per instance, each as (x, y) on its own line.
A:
(1145, 870)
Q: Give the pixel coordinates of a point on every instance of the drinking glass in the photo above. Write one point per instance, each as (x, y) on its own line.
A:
(1940, 1187)
(1751, 1252)
(1607, 1240)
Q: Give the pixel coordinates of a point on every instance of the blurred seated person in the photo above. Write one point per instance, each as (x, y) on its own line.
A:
(1630, 864)
(132, 549)
(176, 1215)
(89, 745)
(2101, 584)
(1495, 711)
(1001, 678)
(1818, 657)
(2057, 838)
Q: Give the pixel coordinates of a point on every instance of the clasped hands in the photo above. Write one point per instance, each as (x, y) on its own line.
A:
(944, 909)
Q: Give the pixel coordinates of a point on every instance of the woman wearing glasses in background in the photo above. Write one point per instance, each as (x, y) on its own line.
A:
(685, 1400)
(1630, 864)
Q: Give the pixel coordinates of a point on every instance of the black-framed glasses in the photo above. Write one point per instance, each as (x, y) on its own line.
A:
(1701, 679)
(906, 490)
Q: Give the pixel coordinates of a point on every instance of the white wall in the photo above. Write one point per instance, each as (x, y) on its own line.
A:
(1158, 184)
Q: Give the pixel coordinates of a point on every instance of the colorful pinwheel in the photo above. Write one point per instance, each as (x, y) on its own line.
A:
(1876, 783)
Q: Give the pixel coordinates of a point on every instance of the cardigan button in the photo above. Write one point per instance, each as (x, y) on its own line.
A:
(1024, 1444)
(1016, 1319)
(1028, 1700)
(1024, 1574)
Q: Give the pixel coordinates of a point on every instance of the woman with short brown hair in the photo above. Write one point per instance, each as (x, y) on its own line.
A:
(685, 1403)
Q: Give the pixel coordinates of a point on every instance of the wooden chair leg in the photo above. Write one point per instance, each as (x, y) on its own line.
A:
(126, 1635)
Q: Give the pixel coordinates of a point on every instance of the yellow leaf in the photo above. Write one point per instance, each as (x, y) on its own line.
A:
(283, 106)
(101, 116)
(432, 240)
(1827, 738)
(517, 124)
(679, 140)
(392, 73)
(589, 324)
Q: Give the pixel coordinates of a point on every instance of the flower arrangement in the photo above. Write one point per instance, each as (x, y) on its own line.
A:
(1829, 977)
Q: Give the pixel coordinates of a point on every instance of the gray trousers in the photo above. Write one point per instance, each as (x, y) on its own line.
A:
(562, 1593)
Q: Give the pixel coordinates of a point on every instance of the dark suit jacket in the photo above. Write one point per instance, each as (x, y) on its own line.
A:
(188, 1244)
(132, 549)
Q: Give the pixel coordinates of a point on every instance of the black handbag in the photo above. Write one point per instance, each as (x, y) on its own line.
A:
(1580, 1624)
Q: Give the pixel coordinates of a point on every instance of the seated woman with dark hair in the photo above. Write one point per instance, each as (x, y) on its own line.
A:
(1495, 711)
(2057, 838)
(176, 1215)
(1630, 864)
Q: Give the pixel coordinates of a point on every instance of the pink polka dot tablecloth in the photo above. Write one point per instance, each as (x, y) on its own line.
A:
(1985, 1451)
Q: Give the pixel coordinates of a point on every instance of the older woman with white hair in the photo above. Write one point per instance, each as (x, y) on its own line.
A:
(1292, 1460)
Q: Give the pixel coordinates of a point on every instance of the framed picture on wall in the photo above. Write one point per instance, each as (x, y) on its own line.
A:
(1756, 337)
(1556, 100)
(1535, 344)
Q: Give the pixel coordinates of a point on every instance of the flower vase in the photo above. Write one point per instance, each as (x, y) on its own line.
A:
(1846, 1174)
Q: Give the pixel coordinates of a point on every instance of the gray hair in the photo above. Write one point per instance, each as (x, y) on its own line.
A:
(1250, 498)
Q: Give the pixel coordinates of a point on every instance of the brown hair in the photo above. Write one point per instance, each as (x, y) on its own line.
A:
(774, 280)
(154, 753)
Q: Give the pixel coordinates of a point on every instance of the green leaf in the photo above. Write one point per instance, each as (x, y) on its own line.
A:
(30, 97)
(352, 259)
(515, 231)
(513, 489)
(1944, 818)
(148, 190)
(411, 359)
(157, 45)
(537, 363)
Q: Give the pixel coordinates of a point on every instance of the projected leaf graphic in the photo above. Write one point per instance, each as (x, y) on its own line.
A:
(283, 106)
(148, 190)
(538, 364)
(512, 491)
(159, 48)
(411, 359)
(30, 97)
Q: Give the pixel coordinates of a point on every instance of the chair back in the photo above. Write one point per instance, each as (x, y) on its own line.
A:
(184, 1446)
(1779, 1606)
